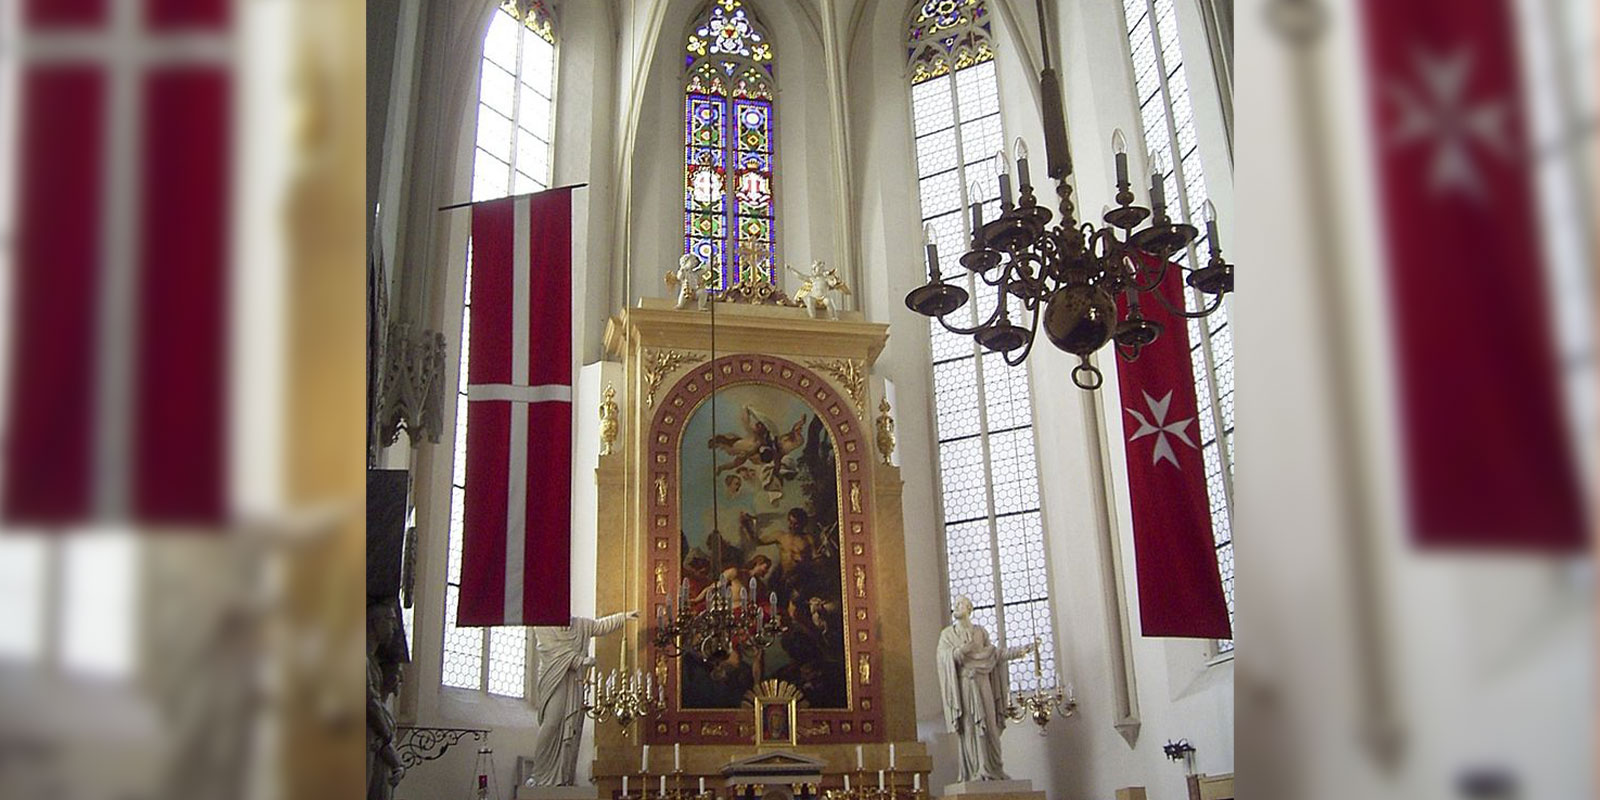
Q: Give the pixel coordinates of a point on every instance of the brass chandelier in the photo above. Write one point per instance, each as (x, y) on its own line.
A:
(1071, 274)
(722, 624)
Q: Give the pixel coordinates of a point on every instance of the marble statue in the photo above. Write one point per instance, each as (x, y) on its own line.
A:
(383, 763)
(558, 695)
(973, 687)
(690, 279)
(816, 287)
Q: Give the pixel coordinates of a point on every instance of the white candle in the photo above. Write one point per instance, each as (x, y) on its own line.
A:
(891, 755)
(880, 780)
(677, 762)
(663, 786)
(702, 785)
(847, 783)
(644, 759)
(916, 781)
(859, 763)
(624, 786)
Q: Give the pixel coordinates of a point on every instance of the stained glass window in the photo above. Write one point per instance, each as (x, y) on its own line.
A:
(513, 155)
(983, 410)
(1172, 139)
(728, 216)
(947, 36)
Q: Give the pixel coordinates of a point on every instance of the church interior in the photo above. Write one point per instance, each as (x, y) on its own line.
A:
(760, 190)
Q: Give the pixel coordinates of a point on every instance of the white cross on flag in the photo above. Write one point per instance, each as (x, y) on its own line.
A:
(1488, 456)
(116, 398)
(516, 524)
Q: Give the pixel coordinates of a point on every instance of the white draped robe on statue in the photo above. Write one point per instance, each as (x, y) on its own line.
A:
(973, 687)
(558, 696)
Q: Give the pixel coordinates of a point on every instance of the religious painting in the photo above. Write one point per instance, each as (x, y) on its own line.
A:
(759, 495)
(775, 723)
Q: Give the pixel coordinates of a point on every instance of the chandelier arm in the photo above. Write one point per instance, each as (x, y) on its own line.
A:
(1033, 334)
(1201, 314)
(969, 331)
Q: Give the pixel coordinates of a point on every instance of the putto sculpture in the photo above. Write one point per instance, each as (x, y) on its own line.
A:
(690, 279)
(817, 288)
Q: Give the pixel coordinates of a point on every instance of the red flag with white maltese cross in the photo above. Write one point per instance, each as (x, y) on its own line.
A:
(1180, 587)
(517, 521)
(1489, 460)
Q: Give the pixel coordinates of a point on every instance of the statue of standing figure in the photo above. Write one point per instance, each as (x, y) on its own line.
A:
(690, 279)
(974, 688)
(383, 762)
(816, 288)
(558, 695)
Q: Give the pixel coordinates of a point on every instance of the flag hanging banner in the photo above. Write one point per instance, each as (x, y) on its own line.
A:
(517, 521)
(1180, 587)
(1488, 457)
(117, 388)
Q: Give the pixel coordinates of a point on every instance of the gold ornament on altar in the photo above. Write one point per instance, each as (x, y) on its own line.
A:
(754, 284)
(608, 420)
(885, 431)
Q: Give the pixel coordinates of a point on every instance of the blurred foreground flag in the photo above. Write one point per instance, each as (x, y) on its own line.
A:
(116, 394)
(1488, 460)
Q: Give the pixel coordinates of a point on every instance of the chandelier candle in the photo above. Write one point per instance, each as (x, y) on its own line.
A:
(1211, 227)
(977, 214)
(1019, 151)
(1119, 146)
(1005, 179)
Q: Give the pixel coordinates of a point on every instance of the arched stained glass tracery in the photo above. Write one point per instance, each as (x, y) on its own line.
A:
(947, 35)
(728, 138)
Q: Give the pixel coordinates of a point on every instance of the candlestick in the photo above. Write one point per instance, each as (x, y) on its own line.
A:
(663, 785)
(677, 757)
(1119, 146)
(847, 783)
(929, 245)
(624, 786)
(1211, 227)
(891, 755)
(860, 763)
(1019, 150)
(702, 784)
(977, 211)
(880, 780)
(1004, 169)
(644, 759)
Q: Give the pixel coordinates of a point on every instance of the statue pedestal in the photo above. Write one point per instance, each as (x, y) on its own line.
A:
(526, 792)
(993, 790)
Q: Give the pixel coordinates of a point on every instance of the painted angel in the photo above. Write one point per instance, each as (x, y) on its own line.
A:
(762, 449)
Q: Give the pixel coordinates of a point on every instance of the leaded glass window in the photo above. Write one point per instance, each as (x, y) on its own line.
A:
(993, 530)
(728, 216)
(512, 155)
(1170, 136)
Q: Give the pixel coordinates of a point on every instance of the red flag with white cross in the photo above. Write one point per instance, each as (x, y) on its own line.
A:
(517, 519)
(1180, 584)
(116, 398)
(1488, 456)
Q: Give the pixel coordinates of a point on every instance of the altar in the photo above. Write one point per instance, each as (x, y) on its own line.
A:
(746, 456)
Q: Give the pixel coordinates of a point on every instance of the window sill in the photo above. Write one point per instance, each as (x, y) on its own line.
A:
(1221, 658)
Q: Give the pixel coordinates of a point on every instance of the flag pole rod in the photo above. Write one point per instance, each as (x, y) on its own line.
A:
(528, 194)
